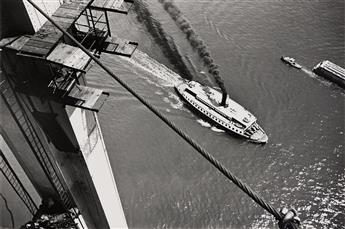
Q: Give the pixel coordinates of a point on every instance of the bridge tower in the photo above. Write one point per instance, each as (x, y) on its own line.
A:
(50, 112)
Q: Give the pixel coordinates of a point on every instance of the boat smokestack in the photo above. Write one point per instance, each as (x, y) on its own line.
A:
(224, 92)
(224, 96)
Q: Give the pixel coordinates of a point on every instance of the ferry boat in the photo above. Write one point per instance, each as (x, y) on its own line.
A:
(290, 61)
(222, 110)
(331, 71)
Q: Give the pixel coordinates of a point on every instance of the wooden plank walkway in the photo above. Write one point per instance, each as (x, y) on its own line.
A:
(107, 4)
(117, 6)
(46, 38)
(119, 46)
(15, 43)
(69, 56)
(86, 98)
(6, 41)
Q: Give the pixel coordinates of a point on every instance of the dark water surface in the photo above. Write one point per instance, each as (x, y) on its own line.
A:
(163, 182)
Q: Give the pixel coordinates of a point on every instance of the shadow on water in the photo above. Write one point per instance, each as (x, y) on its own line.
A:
(195, 40)
(165, 41)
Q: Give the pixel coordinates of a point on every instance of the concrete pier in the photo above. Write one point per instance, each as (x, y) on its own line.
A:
(92, 146)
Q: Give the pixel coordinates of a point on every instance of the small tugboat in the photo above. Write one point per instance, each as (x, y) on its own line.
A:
(290, 61)
(231, 116)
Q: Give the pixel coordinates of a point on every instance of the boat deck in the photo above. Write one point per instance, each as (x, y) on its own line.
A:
(331, 72)
(332, 68)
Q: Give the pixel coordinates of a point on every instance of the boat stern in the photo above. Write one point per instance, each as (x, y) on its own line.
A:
(181, 86)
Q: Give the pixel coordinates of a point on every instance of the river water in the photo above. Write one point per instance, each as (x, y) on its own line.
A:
(162, 181)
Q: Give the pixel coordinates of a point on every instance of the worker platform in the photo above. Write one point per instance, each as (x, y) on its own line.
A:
(87, 21)
(116, 45)
(67, 64)
(70, 57)
(47, 37)
(117, 6)
(14, 43)
(86, 98)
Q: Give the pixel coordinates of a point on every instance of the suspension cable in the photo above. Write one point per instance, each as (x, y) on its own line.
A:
(269, 208)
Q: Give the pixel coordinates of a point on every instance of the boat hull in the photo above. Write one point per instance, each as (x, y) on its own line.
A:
(331, 71)
(291, 62)
(219, 115)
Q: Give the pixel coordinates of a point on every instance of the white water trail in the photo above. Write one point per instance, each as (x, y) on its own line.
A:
(162, 77)
(313, 75)
(165, 76)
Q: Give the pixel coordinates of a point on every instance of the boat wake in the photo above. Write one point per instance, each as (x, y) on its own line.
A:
(164, 77)
(204, 123)
(313, 75)
(324, 82)
(215, 129)
(208, 125)
(161, 77)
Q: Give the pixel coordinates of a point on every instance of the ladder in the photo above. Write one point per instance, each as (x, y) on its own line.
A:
(20, 116)
(16, 184)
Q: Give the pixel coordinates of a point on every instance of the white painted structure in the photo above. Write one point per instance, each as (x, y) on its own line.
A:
(37, 19)
(96, 157)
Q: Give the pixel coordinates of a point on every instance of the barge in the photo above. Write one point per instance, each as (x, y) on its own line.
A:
(331, 71)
